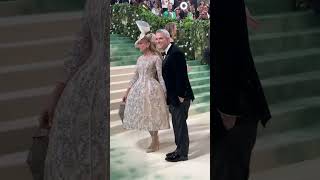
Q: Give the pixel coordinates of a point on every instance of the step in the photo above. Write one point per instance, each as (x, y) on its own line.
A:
(121, 77)
(286, 22)
(114, 71)
(194, 80)
(193, 110)
(133, 62)
(285, 88)
(287, 63)
(122, 47)
(118, 94)
(19, 132)
(306, 169)
(9, 8)
(118, 85)
(115, 41)
(42, 26)
(201, 89)
(24, 103)
(117, 36)
(35, 51)
(200, 81)
(28, 76)
(123, 63)
(194, 68)
(125, 58)
(270, 6)
(281, 149)
(13, 166)
(123, 71)
(116, 128)
(199, 108)
(278, 42)
(126, 52)
(199, 98)
(293, 114)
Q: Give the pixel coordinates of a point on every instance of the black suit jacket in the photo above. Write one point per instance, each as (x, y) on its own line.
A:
(235, 83)
(175, 75)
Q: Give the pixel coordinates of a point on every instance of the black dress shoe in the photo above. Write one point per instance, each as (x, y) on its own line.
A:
(176, 158)
(171, 153)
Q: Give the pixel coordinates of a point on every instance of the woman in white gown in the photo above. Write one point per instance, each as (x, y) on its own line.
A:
(78, 141)
(146, 107)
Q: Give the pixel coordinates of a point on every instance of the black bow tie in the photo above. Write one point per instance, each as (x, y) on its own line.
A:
(163, 53)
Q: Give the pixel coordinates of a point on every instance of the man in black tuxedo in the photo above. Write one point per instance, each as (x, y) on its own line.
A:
(238, 101)
(179, 93)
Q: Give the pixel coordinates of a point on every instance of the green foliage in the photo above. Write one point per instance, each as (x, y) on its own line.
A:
(192, 35)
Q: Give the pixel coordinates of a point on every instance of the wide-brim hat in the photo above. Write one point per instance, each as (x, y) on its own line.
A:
(144, 28)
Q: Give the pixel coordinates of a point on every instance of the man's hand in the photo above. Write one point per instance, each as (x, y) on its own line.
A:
(254, 24)
(181, 99)
(229, 121)
(251, 21)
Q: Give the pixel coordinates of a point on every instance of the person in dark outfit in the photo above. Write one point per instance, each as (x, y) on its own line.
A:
(238, 100)
(179, 93)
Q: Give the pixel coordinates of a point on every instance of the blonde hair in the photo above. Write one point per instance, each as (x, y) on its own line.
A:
(150, 38)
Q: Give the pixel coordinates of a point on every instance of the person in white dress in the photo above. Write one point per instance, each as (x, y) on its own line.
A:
(146, 106)
(78, 142)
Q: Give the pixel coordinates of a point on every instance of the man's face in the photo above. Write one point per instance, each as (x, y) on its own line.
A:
(162, 41)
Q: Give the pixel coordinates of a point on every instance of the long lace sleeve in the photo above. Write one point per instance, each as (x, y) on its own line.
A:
(159, 73)
(80, 52)
(135, 77)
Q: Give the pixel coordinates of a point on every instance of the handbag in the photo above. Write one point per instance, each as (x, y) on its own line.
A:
(38, 150)
(37, 153)
(121, 110)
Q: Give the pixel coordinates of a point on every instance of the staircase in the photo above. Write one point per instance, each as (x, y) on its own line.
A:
(287, 54)
(32, 52)
(286, 50)
(122, 61)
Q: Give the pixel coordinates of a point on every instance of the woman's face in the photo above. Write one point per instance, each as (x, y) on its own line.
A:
(143, 45)
(177, 11)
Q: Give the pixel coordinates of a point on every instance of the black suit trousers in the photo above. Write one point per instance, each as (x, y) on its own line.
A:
(180, 128)
(232, 148)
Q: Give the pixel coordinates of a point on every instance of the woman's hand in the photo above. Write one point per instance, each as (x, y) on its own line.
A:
(124, 99)
(46, 117)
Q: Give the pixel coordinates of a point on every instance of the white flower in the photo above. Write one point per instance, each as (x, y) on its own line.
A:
(190, 48)
(186, 54)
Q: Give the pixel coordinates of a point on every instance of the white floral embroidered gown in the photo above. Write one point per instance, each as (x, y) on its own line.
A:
(78, 144)
(146, 107)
